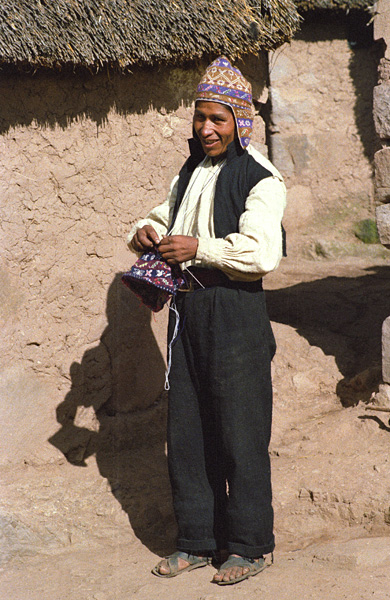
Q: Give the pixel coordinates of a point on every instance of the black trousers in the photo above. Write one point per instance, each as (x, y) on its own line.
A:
(219, 422)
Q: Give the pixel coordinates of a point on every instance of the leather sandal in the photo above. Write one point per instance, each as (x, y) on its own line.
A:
(173, 563)
(254, 565)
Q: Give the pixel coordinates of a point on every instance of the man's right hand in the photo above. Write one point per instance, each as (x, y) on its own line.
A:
(144, 239)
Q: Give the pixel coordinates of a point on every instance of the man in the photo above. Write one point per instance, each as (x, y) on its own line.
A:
(221, 223)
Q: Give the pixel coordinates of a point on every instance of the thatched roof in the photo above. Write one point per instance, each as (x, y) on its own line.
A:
(125, 33)
(335, 5)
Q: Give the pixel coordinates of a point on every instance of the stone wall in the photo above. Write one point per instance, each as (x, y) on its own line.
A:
(322, 134)
(382, 123)
(83, 157)
(382, 168)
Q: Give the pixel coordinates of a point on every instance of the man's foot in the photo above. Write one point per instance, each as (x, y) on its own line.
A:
(179, 562)
(237, 568)
(220, 556)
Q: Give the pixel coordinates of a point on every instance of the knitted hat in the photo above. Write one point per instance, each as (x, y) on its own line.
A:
(153, 280)
(226, 84)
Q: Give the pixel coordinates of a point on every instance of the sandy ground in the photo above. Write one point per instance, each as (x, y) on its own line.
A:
(92, 530)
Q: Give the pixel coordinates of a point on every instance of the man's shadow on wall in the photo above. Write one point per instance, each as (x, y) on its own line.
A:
(116, 410)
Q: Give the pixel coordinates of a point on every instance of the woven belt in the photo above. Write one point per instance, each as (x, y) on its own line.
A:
(200, 278)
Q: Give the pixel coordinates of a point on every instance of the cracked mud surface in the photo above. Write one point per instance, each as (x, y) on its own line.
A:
(92, 527)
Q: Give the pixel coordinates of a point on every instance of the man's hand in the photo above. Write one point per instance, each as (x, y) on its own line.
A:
(144, 239)
(176, 249)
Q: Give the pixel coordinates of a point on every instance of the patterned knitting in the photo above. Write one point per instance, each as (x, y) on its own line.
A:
(225, 84)
(153, 280)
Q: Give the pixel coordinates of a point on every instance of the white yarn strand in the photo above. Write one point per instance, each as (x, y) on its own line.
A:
(174, 336)
(196, 279)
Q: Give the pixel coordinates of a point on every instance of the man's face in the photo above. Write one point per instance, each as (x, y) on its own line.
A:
(215, 127)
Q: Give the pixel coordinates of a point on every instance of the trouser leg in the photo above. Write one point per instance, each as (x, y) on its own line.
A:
(242, 391)
(193, 496)
(220, 410)
(244, 398)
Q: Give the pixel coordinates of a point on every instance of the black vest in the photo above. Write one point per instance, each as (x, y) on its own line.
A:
(238, 176)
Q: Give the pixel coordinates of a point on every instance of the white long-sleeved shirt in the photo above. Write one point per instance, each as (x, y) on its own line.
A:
(247, 255)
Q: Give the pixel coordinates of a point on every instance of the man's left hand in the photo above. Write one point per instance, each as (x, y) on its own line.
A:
(176, 249)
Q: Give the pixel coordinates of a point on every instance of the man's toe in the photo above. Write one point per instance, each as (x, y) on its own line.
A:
(163, 568)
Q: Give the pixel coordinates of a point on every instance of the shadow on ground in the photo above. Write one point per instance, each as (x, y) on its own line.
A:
(377, 420)
(341, 315)
(115, 409)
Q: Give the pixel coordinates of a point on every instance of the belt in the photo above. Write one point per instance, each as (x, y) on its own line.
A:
(198, 278)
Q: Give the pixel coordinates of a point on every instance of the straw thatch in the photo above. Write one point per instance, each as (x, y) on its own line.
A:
(335, 5)
(123, 33)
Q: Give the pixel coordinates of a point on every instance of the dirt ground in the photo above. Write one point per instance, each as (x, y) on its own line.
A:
(92, 530)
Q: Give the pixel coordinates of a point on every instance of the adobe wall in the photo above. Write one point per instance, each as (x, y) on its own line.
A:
(322, 133)
(82, 158)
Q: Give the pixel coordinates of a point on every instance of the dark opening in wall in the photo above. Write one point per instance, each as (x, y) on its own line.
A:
(360, 29)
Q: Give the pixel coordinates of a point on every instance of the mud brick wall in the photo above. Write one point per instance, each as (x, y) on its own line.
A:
(82, 158)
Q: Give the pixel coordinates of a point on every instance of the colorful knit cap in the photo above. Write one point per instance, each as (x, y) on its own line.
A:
(226, 84)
